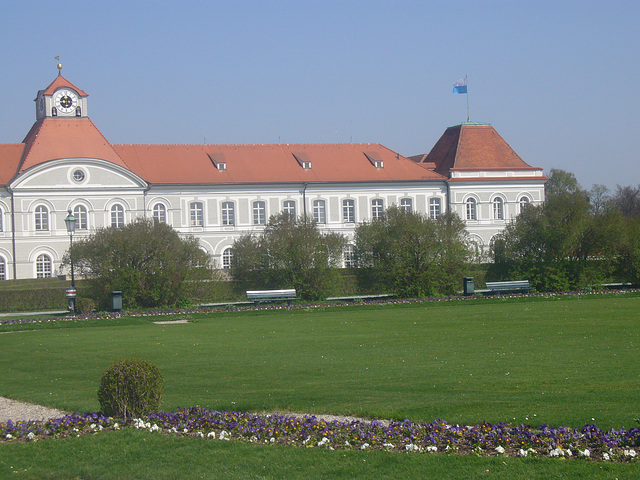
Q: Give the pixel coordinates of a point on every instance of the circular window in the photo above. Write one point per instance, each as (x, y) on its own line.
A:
(78, 175)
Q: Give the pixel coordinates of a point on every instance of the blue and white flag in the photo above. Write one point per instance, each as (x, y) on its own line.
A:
(460, 86)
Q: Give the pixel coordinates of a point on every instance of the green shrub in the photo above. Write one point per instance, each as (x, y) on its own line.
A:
(85, 305)
(130, 388)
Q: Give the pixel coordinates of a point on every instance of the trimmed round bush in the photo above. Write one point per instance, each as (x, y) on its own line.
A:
(130, 388)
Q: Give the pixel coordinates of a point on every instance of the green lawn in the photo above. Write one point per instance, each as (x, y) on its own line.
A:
(561, 361)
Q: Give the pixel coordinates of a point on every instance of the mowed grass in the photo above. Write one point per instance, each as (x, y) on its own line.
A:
(567, 360)
(561, 361)
(136, 455)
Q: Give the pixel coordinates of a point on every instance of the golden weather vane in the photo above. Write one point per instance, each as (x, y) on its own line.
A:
(59, 65)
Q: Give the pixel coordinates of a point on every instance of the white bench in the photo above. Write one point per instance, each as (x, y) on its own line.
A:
(258, 296)
(511, 286)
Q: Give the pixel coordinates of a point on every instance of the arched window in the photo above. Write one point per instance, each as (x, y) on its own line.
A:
(227, 258)
(435, 208)
(289, 207)
(43, 266)
(160, 213)
(524, 201)
(498, 208)
(80, 212)
(117, 216)
(471, 209)
(228, 214)
(350, 256)
(406, 204)
(319, 211)
(3, 269)
(42, 218)
(259, 213)
(349, 211)
(196, 214)
(377, 209)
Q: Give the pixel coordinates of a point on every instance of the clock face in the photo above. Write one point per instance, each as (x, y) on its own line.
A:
(66, 101)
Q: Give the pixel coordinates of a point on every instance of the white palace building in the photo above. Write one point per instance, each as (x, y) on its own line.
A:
(219, 192)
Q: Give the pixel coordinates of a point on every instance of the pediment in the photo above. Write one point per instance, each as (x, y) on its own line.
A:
(77, 174)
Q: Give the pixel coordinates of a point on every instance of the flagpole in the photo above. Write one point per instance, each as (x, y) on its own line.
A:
(467, 84)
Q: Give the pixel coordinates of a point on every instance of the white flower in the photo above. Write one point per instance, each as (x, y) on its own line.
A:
(556, 452)
(224, 435)
(92, 426)
(200, 434)
(9, 436)
(31, 436)
(605, 456)
(346, 443)
(500, 449)
(522, 453)
(387, 445)
(432, 448)
(584, 453)
(304, 442)
(272, 440)
(211, 435)
(364, 446)
(630, 453)
(154, 428)
(116, 426)
(324, 441)
(569, 452)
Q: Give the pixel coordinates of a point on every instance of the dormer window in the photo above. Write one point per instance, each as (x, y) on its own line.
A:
(218, 161)
(375, 159)
(303, 160)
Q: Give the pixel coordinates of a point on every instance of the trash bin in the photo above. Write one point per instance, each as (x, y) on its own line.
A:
(116, 301)
(468, 285)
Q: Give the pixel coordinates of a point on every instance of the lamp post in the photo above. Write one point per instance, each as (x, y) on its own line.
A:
(70, 222)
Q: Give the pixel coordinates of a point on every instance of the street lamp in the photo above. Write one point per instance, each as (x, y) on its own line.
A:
(70, 222)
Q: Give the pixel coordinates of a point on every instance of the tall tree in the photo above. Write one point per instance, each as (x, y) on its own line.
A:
(410, 254)
(289, 253)
(147, 260)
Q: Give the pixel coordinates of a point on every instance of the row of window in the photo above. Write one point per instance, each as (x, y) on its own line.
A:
(259, 210)
(44, 267)
(471, 207)
(319, 207)
(349, 257)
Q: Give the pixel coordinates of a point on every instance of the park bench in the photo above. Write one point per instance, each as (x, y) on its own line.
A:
(513, 286)
(258, 296)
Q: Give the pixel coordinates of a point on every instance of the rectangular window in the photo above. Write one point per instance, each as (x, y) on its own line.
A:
(2, 269)
(196, 214)
(259, 213)
(349, 211)
(377, 208)
(319, 211)
(289, 206)
(406, 204)
(160, 213)
(435, 208)
(228, 214)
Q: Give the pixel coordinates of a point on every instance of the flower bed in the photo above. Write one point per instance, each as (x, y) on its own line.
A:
(309, 431)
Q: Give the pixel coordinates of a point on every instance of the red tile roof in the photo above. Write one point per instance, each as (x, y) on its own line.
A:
(472, 146)
(61, 82)
(54, 138)
(272, 163)
(10, 155)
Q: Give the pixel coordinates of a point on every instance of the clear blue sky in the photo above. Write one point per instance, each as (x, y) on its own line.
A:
(557, 79)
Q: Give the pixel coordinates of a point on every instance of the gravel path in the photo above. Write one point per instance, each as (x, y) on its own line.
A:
(20, 411)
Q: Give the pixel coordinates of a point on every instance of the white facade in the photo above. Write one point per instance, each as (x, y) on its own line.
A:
(102, 191)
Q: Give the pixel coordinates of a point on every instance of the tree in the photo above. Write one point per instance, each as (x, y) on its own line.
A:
(289, 254)
(410, 254)
(147, 260)
(627, 200)
(563, 244)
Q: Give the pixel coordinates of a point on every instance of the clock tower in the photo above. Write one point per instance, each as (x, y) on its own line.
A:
(61, 99)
